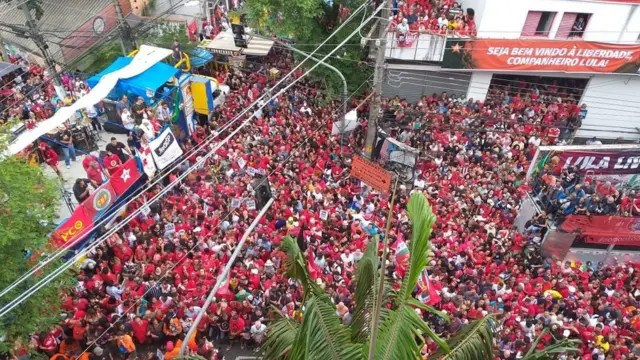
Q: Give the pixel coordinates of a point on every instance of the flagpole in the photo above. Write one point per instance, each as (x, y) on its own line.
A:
(383, 265)
(222, 277)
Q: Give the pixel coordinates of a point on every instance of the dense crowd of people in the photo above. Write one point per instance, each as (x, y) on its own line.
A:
(414, 17)
(475, 159)
(28, 94)
(140, 291)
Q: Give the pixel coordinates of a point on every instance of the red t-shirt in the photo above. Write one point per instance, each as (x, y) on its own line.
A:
(140, 330)
(112, 163)
(236, 325)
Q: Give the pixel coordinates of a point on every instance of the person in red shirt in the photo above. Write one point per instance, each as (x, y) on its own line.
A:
(236, 330)
(139, 328)
(50, 157)
(112, 162)
(79, 331)
(94, 173)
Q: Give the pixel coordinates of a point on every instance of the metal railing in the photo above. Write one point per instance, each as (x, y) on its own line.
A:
(416, 46)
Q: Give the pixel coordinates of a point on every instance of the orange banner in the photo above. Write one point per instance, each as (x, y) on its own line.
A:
(541, 55)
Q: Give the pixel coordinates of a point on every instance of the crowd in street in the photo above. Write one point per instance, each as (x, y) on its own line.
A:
(475, 157)
(141, 290)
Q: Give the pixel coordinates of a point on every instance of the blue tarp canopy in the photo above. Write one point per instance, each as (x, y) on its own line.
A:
(152, 79)
(200, 57)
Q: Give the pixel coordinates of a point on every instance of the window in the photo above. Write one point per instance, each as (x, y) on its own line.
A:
(572, 25)
(538, 23)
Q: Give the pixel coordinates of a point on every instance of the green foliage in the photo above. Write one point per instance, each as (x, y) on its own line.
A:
(564, 346)
(321, 335)
(474, 341)
(104, 56)
(34, 5)
(162, 35)
(310, 22)
(28, 208)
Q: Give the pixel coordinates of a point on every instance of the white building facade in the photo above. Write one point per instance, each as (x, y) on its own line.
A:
(609, 83)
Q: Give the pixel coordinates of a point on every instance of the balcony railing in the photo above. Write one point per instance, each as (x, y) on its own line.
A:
(416, 46)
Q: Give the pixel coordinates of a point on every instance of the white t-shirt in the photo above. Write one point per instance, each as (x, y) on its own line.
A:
(258, 330)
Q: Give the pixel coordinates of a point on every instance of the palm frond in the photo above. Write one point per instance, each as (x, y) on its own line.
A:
(569, 346)
(473, 342)
(365, 295)
(422, 220)
(322, 336)
(282, 334)
(415, 303)
(401, 335)
(296, 268)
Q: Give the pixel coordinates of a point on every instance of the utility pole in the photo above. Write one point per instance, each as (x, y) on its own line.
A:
(125, 30)
(378, 78)
(3, 50)
(34, 34)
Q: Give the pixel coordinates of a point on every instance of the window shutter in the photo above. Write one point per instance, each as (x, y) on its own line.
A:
(568, 19)
(530, 25)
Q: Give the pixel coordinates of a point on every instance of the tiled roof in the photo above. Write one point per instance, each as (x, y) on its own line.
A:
(60, 19)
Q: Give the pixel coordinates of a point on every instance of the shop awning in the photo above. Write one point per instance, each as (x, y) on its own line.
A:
(6, 68)
(144, 84)
(223, 44)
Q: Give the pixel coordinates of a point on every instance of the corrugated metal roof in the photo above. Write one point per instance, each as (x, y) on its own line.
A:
(60, 18)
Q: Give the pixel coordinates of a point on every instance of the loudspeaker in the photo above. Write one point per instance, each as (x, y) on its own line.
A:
(113, 119)
(237, 29)
(262, 191)
(240, 41)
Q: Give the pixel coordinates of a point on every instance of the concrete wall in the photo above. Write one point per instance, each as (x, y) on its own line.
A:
(504, 19)
(479, 85)
(613, 103)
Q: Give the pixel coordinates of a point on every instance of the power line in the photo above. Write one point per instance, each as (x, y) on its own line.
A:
(12, 7)
(98, 43)
(32, 290)
(426, 77)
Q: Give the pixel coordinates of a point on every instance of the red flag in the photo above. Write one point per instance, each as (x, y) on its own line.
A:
(192, 29)
(125, 176)
(100, 200)
(427, 294)
(73, 229)
(223, 291)
(312, 267)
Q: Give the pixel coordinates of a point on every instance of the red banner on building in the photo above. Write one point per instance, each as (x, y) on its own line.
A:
(100, 200)
(598, 162)
(73, 229)
(541, 55)
(604, 229)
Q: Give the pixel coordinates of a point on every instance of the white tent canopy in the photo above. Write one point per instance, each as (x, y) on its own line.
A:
(144, 59)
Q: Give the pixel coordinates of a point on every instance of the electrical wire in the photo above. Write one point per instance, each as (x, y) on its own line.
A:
(12, 7)
(322, 124)
(99, 42)
(426, 77)
(32, 290)
(607, 115)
